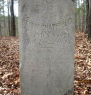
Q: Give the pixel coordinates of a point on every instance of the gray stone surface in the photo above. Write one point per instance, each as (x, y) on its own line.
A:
(47, 30)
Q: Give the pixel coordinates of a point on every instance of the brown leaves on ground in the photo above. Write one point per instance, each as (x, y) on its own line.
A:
(9, 66)
(82, 65)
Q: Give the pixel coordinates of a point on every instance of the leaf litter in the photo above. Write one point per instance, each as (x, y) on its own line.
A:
(9, 65)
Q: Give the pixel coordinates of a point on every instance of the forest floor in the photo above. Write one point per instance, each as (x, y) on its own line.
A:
(9, 66)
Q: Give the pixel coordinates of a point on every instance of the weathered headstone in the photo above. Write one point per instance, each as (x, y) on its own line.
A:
(47, 30)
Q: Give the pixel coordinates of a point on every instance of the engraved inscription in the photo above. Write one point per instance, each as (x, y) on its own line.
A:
(48, 34)
(48, 27)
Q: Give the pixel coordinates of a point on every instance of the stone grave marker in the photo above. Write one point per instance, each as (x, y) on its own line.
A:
(46, 32)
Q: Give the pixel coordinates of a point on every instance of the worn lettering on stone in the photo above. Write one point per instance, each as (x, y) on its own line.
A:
(48, 31)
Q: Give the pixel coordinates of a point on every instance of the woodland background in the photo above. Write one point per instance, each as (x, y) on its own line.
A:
(9, 22)
(9, 48)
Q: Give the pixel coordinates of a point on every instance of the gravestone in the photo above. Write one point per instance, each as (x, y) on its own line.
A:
(47, 29)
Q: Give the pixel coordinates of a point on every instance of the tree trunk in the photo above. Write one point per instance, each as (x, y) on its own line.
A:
(88, 18)
(83, 17)
(79, 16)
(13, 29)
(8, 1)
(89, 21)
(87, 15)
(4, 18)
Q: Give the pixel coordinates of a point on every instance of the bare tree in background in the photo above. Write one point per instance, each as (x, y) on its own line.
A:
(89, 31)
(79, 16)
(88, 18)
(8, 7)
(13, 28)
(87, 14)
(84, 16)
(2, 18)
(3, 15)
